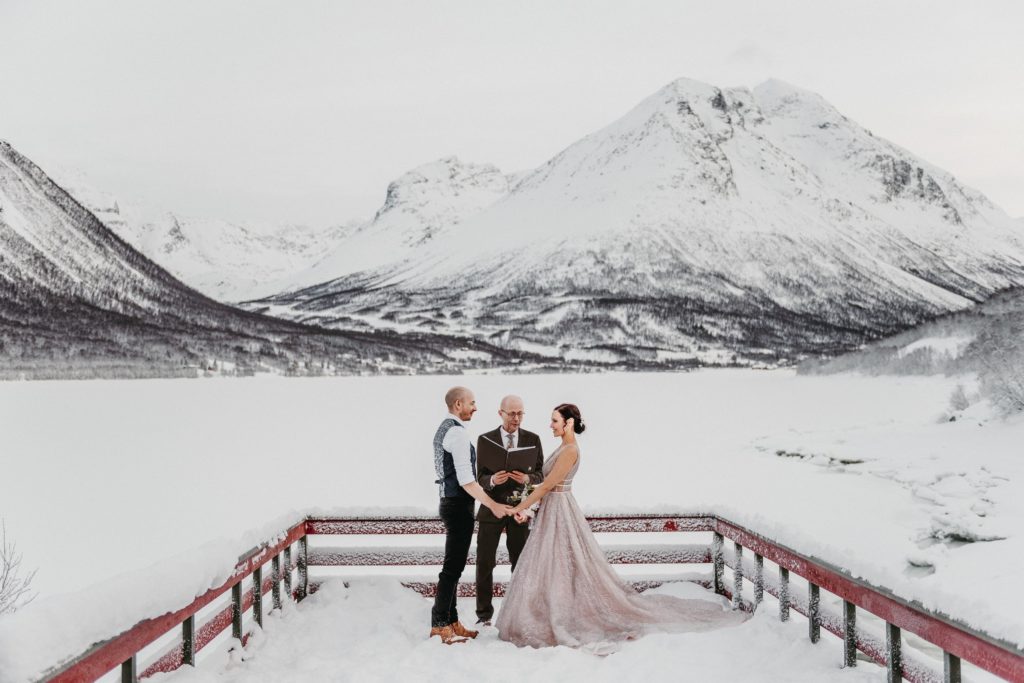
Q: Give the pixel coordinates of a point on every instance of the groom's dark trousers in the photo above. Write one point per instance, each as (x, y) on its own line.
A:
(457, 515)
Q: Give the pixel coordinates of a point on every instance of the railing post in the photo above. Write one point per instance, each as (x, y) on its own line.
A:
(303, 567)
(894, 660)
(288, 571)
(950, 668)
(128, 671)
(188, 641)
(813, 618)
(758, 579)
(236, 610)
(737, 578)
(783, 594)
(275, 568)
(849, 633)
(717, 563)
(257, 595)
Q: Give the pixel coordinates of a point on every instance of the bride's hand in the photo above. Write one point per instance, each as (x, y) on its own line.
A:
(521, 517)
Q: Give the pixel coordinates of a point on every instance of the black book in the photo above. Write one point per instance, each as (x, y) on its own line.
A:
(495, 458)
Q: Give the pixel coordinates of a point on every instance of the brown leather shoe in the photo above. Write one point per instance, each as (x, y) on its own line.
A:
(447, 634)
(462, 631)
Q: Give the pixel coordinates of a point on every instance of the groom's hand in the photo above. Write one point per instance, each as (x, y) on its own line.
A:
(499, 510)
(499, 478)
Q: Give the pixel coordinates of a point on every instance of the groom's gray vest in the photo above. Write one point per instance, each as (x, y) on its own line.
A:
(444, 463)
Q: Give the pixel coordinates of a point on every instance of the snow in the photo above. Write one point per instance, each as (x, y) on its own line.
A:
(764, 163)
(388, 623)
(133, 496)
(423, 204)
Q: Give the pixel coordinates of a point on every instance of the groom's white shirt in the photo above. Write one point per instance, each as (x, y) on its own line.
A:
(456, 442)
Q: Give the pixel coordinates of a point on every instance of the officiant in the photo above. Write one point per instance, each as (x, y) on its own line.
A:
(501, 485)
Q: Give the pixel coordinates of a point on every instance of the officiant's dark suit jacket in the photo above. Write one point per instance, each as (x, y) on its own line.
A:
(501, 492)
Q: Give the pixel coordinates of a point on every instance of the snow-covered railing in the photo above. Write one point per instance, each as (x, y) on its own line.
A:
(956, 639)
(426, 556)
(122, 651)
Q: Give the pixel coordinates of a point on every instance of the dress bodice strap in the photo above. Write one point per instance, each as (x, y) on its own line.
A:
(566, 484)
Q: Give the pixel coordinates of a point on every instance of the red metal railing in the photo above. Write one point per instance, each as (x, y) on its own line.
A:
(121, 650)
(434, 555)
(956, 639)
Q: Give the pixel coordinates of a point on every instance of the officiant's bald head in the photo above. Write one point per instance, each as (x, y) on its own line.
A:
(511, 412)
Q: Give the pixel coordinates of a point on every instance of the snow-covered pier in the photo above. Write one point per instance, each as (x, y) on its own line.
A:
(873, 624)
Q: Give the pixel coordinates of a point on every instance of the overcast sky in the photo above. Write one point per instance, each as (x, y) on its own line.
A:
(304, 111)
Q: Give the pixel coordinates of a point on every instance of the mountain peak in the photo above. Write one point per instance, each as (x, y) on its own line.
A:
(448, 178)
(779, 98)
(689, 96)
(689, 86)
(445, 170)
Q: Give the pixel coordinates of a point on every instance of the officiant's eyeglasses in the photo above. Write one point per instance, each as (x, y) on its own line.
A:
(515, 415)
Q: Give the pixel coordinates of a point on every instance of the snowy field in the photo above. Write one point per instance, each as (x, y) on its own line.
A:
(132, 497)
(387, 620)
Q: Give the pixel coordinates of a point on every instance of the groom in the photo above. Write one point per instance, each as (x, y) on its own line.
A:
(500, 485)
(455, 463)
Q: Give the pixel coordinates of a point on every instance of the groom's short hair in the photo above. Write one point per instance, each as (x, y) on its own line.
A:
(453, 395)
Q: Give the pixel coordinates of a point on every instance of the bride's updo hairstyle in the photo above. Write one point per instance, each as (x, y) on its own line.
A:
(567, 410)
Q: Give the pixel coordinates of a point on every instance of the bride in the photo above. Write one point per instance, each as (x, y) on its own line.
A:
(563, 591)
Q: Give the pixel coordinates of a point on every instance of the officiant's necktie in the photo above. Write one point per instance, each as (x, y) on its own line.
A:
(510, 445)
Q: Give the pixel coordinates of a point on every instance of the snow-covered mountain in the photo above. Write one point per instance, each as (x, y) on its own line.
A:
(706, 225)
(77, 300)
(224, 260)
(230, 262)
(422, 206)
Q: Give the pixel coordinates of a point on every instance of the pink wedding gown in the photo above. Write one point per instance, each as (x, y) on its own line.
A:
(564, 592)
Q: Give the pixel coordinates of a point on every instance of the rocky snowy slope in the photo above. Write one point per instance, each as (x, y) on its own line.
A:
(223, 260)
(707, 225)
(76, 300)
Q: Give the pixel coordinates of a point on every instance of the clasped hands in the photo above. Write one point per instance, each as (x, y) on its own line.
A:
(500, 511)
